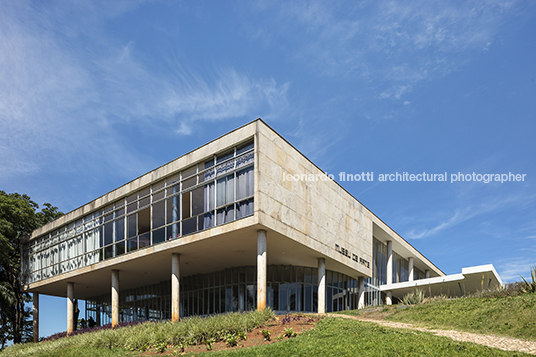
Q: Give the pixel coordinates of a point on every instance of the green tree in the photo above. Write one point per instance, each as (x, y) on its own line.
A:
(19, 216)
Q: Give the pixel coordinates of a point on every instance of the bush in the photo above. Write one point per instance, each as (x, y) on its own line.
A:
(266, 334)
(414, 297)
(154, 335)
(529, 287)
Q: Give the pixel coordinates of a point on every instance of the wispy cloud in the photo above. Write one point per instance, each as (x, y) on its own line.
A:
(468, 212)
(67, 87)
(231, 95)
(391, 45)
(511, 269)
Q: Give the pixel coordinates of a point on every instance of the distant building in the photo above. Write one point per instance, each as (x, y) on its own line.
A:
(243, 222)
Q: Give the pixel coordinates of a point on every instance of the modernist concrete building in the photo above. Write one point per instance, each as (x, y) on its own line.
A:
(243, 222)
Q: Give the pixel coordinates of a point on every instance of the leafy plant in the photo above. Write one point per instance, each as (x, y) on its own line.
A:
(266, 334)
(290, 333)
(242, 335)
(160, 346)
(231, 340)
(209, 342)
(529, 287)
(413, 298)
(181, 345)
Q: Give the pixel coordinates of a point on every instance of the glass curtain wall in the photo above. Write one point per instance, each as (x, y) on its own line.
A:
(289, 289)
(400, 269)
(373, 295)
(215, 191)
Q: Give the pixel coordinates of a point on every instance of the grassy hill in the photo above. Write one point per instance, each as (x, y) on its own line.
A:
(512, 316)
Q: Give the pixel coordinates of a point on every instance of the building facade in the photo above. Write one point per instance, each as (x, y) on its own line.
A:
(243, 222)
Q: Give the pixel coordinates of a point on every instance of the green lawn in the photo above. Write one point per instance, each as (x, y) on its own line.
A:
(509, 316)
(330, 337)
(344, 337)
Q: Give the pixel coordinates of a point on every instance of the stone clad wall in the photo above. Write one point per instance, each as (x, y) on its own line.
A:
(314, 212)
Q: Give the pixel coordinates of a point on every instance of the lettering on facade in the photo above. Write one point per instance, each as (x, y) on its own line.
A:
(354, 257)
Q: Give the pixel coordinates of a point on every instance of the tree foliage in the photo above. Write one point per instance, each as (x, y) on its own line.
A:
(19, 216)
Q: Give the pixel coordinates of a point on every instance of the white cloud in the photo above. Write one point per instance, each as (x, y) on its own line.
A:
(391, 45)
(470, 211)
(511, 270)
(230, 95)
(67, 87)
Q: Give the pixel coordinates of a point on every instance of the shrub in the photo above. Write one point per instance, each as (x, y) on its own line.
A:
(209, 342)
(155, 335)
(290, 333)
(529, 287)
(266, 334)
(231, 340)
(414, 297)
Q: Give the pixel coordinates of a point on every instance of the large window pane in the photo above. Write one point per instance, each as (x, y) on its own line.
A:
(208, 220)
(120, 229)
(158, 195)
(225, 214)
(244, 147)
(144, 221)
(159, 235)
(132, 226)
(186, 205)
(120, 248)
(132, 244)
(189, 172)
(159, 214)
(145, 201)
(209, 199)
(144, 240)
(108, 252)
(189, 183)
(189, 226)
(225, 190)
(173, 231)
(172, 210)
(244, 183)
(132, 207)
(225, 156)
(198, 201)
(108, 233)
(244, 208)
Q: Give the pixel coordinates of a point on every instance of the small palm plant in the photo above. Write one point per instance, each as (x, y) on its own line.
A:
(527, 287)
(414, 297)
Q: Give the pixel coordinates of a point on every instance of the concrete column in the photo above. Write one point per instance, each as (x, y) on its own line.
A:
(389, 262)
(175, 287)
(410, 269)
(261, 269)
(361, 293)
(98, 317)
(427, 272)
(115, 298)
(388, 298)
(321, 286)
(70, 308)
(35, 317)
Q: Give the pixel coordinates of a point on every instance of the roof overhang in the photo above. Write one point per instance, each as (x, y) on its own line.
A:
(470, 280)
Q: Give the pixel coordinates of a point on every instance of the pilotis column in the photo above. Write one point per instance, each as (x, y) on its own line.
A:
(261, 269)
(175, 287)
(321, 286)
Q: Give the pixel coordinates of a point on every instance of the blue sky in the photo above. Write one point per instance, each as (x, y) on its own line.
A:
(94, 94)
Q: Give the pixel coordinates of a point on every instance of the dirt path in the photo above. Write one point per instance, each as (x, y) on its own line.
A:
(504, 343)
